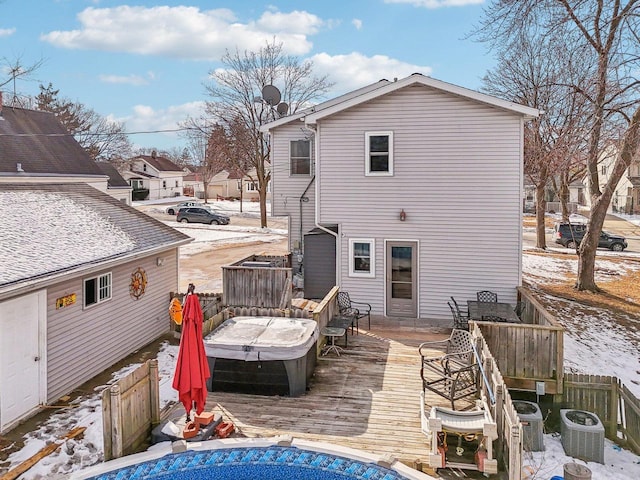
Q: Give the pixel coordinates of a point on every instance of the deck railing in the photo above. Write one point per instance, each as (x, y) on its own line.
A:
(509, 443)
(531, 352)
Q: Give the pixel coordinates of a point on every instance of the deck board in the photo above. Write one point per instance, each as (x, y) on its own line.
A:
(368, 398)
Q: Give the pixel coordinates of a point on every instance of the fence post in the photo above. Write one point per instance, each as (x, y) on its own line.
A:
(515, 453)
(106, 422)
(154, 391)
(116, 421)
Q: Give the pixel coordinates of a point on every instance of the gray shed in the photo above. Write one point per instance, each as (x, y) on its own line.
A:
(319, 263)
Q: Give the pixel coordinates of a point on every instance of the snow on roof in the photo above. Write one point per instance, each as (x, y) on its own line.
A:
(55, 232)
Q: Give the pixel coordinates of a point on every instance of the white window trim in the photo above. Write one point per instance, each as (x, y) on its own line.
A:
(367, 159)
(291, 174)
(372, 258)
(98, 299)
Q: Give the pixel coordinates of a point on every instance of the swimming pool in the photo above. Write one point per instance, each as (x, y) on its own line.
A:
(253, 459)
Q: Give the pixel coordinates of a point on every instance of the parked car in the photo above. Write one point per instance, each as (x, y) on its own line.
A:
(201, 215)
(172, 210)
(570, 235)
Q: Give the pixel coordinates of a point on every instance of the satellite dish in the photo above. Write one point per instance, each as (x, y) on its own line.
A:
(282, 108)
(271, 95)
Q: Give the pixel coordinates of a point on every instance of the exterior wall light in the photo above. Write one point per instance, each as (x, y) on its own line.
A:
(403, 215)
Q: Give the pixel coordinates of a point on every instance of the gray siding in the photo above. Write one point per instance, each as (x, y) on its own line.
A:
(84, 342)
(287, 189)
(457, 175)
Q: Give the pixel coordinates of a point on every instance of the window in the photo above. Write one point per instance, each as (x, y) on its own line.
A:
(361, 258)
(144, 167)
(164, 184)
(604, 169)
(176, 183)
(300, 157)
(97, 289)
(252, 186)
(379, 153)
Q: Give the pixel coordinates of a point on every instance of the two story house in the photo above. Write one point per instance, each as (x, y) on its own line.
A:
(156, 175)
(404, 193)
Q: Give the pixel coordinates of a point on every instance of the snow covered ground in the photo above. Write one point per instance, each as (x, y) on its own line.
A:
(599, 347)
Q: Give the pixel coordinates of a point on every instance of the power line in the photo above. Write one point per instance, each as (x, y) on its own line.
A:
(95, 134)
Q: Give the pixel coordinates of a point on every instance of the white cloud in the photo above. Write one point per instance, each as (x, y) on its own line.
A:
(6, 32)
(357, 23)
(355, 70)
(437, 3)
(135, 80)
(184, 32)
(294, 22)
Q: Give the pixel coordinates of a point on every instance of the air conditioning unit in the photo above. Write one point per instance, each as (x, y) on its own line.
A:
(582, 435)
(532, 425)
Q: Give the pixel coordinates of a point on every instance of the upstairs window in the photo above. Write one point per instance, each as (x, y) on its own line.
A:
(379, 153)
(300, 157)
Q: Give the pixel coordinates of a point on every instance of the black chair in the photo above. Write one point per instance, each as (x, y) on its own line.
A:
(355, 310)
(463, 312)
(459, 322)
(487, 296)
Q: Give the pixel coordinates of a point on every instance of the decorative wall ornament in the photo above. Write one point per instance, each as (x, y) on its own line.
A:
(138, 283)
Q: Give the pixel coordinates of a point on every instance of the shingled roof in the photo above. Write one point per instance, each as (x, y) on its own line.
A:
(162, 164)
(40, 144)
(115, 179)
(64, 228)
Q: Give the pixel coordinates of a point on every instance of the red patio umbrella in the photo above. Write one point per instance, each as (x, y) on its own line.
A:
(192, 368)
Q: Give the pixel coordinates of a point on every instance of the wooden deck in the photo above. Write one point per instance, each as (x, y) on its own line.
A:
(368, 398)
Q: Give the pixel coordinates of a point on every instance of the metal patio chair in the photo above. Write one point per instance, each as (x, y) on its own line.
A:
(355, 310)
(454, 374)
(459, 321)
(487, 296)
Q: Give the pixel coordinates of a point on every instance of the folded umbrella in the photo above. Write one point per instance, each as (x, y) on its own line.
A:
(192, 367)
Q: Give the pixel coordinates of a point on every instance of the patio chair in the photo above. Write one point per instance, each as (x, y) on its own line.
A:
(459, 322)
(463, 312)
(487, 296)
(355, 310)
(454, 374)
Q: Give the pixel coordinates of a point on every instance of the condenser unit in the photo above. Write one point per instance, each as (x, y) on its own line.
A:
(582, 435)
(532, 425)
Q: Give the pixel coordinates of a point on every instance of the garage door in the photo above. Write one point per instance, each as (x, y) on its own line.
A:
(20, 365)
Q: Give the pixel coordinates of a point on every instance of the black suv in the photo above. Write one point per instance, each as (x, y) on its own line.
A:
(570, 235)
(201, 215)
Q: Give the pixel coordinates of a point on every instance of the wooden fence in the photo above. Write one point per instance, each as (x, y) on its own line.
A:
(530, 352)
(616, 407)
(248, 284)
(130, 410)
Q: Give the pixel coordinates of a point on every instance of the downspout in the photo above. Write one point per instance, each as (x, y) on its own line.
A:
(303, 199)
(317, 167)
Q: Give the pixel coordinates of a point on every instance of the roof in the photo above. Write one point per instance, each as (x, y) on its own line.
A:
(378, 89)
(41, 145)
(115, 179)
(162, 164)
(334, 101)
(65, 228)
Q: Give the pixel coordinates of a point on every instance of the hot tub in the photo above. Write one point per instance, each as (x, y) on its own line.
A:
(262, 355)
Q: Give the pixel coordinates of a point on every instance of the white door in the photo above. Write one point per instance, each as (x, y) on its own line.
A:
(20, 356)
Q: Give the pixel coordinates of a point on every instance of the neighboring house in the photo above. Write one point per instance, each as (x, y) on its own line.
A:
(626, 196)
(576, 197)
(84, 283)
(85, 278)
(158, 175)
(35, 147)
(118, 187)
(415, 184)
(225, 184)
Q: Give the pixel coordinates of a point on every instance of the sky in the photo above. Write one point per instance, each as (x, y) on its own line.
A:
(596, 344)
(146, 63)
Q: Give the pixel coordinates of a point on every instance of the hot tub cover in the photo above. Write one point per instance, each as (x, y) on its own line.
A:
(255, 339)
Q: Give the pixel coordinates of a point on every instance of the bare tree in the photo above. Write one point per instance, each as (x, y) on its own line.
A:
(16, 70)
(235, 98)
(606, 32)
(103, 139)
